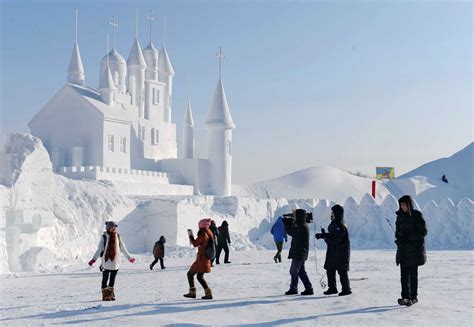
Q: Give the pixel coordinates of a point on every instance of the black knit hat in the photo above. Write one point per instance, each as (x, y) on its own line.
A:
(338, 212)
(406, 199)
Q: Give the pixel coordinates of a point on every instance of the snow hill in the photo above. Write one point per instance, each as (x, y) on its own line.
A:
(321, 182)
(423, 183)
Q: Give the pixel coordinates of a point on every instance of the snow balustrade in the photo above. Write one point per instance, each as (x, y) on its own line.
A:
(114, 174)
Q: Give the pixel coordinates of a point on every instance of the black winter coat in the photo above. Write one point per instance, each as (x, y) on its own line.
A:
(338, 246)
(299, 232)
(223, 236)
(410, 238)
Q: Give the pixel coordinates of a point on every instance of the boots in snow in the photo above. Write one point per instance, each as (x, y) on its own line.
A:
(406, 302)
(106, 294)
(291, 292)
(112, 294)
(330, 291)
(345, 292)
(191, 294)
(276, 259)
(308, 292)
(207, 294)
(414, 300)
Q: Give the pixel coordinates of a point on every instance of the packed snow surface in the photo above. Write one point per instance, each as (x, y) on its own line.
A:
(247, 292)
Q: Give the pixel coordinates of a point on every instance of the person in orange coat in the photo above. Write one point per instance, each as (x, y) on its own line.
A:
(202, 264)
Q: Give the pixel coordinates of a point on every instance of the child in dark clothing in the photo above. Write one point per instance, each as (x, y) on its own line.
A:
(159, 253)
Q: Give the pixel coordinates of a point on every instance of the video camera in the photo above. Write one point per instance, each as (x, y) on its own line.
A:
(289, 218)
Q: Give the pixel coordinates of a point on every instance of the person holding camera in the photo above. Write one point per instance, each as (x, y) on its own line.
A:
(297, 227)
(410, 235)
(338, 251)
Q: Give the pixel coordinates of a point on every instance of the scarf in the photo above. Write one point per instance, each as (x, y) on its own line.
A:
(110, 252)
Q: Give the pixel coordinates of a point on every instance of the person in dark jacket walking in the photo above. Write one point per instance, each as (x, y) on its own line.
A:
(223, 241)
(202, 264)
(159, 253)
(215, 232)
(298, 229)
(279, 235)
(410, 235)
(338, 252)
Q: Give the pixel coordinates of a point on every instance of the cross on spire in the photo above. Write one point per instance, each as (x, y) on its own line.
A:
(151, 18)
(76, 24)
(221, 56)
(114, 25)
(136, 24)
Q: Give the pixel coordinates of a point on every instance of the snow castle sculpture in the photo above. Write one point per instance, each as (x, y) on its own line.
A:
(122, 131)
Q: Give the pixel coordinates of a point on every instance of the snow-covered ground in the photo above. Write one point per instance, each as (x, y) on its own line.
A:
(247, 292)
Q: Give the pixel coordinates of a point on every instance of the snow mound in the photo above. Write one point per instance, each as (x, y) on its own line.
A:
(458, 168)
(321, 182)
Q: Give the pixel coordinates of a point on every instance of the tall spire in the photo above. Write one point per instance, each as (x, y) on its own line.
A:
(188, 116)
(106, 82)
(76, 70)
(136, 24)
(76, 24)
(221, 56)
(164, 31)
(114, 25)
(219, 113)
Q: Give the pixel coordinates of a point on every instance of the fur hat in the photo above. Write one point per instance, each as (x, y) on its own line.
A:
(204, 223)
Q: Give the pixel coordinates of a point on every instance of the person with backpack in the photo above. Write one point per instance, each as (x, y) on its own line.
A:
(223, 241)
(410, 232)
(279, 235)
(338, 251)
(109, 248)
(159, 252)
(202, 264)
(215, 232)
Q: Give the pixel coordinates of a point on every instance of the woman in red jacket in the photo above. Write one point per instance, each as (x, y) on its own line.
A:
(202, 264)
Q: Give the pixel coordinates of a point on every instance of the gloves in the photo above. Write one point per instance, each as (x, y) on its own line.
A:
(132, 260)
(319, 236)
(90, 263)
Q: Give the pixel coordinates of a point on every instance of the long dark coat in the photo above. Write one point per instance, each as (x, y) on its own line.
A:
(299, 232)
(223, 237)
(338, 246)
(202, 263)
(410, 235)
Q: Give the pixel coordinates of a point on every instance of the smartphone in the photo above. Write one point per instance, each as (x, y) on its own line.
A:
(190, 232)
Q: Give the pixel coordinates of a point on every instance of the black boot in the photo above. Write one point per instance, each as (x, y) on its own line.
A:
(406, 302)
(331, 291)
(307, 292)
(291, 292)
(345, 292)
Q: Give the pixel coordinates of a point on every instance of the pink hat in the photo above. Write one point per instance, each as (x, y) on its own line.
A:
(204, 223)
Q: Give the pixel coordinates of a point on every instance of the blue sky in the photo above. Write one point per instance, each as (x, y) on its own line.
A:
(349, 84)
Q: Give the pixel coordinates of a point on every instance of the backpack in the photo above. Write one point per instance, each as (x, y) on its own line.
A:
(210, 250)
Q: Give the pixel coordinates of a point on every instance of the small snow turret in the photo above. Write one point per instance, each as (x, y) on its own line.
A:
(165, 75)
(116, 63)
(150, 53)
(136, 65)
(188, 133)
(106, 83)
(75, 73)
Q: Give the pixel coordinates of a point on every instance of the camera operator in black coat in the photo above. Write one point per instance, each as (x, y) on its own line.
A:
(410, 235)
(298, 229)
(338, 251)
